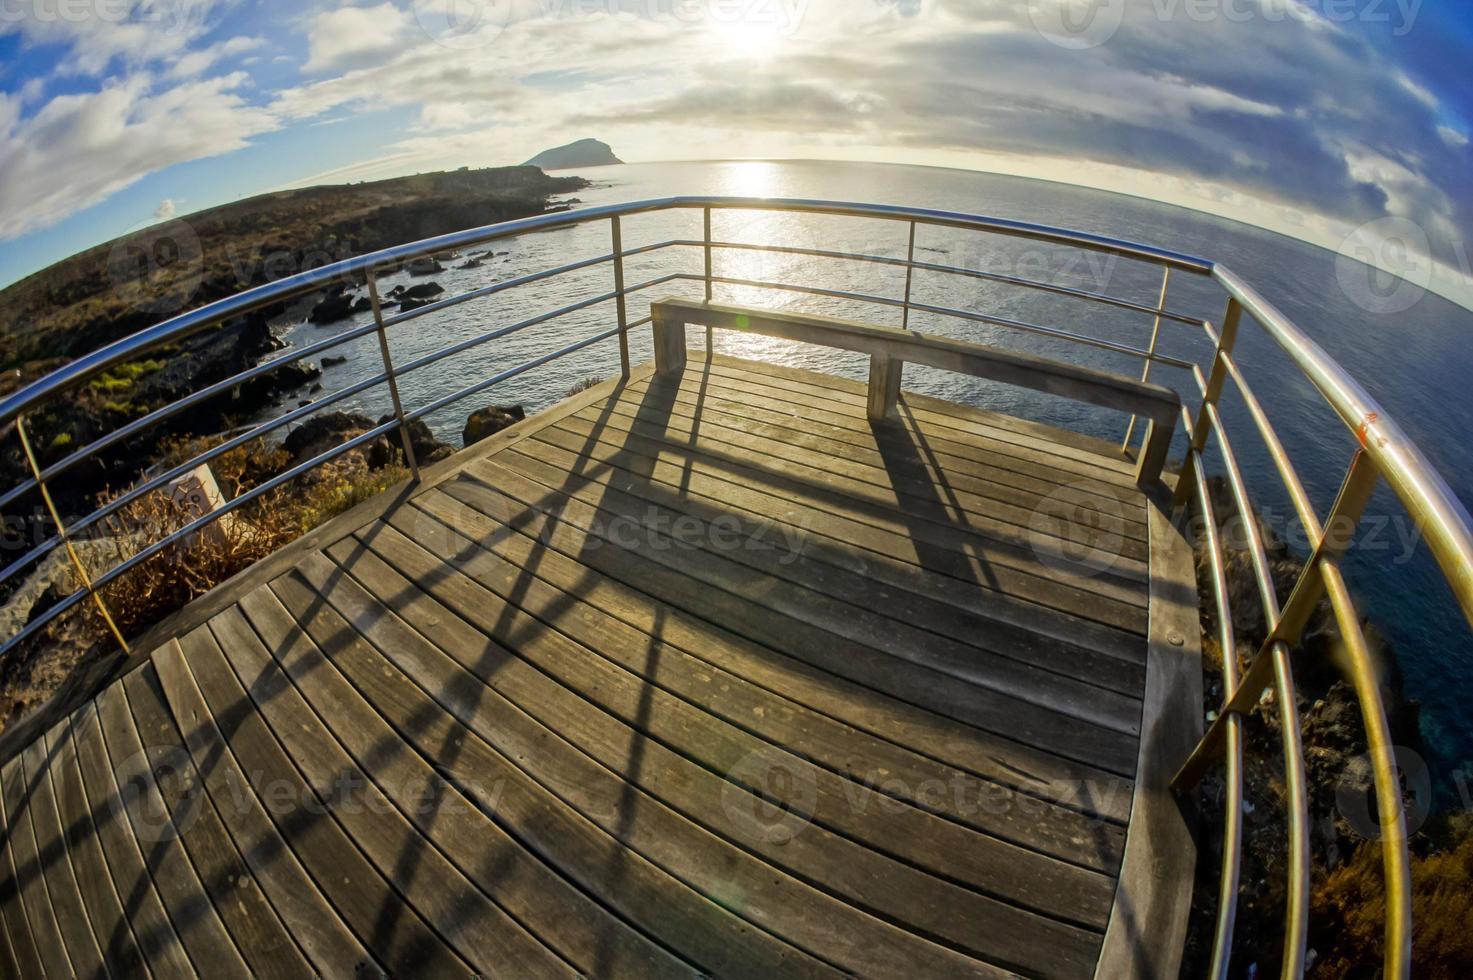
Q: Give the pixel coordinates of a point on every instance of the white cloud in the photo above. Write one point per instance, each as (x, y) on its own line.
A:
(198, 62)
(1452, 137)
(81, 149)
(351, 36)
(166, 209)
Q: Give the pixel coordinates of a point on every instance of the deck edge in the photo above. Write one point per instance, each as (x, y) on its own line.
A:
(1153, 897)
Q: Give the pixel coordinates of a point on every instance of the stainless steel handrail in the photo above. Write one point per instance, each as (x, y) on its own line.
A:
(1387, 454)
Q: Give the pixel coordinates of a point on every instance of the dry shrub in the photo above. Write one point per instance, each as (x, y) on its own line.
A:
(170, 579)
(1349, 909)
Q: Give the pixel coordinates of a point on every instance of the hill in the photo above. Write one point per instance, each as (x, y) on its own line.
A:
(121, 286)
(583, 153)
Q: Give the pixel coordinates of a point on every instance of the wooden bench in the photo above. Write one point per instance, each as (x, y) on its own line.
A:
(889, 349)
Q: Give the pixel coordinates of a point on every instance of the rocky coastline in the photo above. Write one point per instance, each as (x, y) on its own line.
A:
(1345, 937)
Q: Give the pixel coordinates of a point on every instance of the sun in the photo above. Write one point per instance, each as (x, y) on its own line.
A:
(749, 36)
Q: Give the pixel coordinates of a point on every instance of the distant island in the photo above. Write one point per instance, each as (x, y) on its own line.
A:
(583, 153)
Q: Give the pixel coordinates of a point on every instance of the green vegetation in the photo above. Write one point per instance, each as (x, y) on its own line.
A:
(121, 377)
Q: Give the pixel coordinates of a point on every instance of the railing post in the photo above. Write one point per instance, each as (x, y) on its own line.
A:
(1150, 350)
(619, 288)
(1225, 341)
(709, 284)
(383, 346)
(910, 268)
(61, 532)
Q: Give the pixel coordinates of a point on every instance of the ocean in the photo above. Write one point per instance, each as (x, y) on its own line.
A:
(1417, 363)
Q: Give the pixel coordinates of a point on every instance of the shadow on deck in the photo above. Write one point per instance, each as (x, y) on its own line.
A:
(699, 675)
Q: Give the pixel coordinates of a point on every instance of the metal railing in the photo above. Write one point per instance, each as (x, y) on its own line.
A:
(1385, 453)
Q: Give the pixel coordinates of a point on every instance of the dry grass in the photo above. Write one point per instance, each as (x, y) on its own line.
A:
(1350, 906)
(170, 579)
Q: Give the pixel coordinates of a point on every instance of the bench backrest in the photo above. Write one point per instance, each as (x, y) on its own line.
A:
(889, 349)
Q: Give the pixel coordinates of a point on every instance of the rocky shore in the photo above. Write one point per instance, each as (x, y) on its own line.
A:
(1345, 937)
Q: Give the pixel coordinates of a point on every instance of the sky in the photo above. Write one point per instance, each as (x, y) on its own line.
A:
(1342, 122)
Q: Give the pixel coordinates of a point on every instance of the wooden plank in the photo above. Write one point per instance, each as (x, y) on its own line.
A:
(948, 428)
(913, 836)
(833, 486)
(843, 603)
(787, 721)
(899, 456)
(1003, 427)
(746, 616)
(541, 904)
(29, 870)
(1148, 923)
(901, 472)
(458, 911)
(87, 682)
(264, 943)
(527, 560)
(315, 926)
(675, 799)
(493, 745)
(119, 948)
(194, 915)
(157, 937)
(885, 555)
(17, 919)
(704, 584)
(380, 917)
(56, 862)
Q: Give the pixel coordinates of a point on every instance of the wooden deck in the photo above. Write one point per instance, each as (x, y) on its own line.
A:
(708, 677)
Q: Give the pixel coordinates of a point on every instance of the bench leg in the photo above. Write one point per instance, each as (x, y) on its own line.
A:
(669, 347)
(884, 385)
(1153, 453)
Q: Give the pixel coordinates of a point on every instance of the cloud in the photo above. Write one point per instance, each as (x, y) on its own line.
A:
(198, 62)
(166, 209)
(354, 36)
(137, 32)
(81, 149)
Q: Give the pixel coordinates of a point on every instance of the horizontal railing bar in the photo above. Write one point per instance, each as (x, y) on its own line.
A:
(952, 270)
(184, 324)
(540, 318)
(498, 287)
(1232, 844)
(1439, 514)
(1085, 294)
(203, 521)
(957, 219)
(194, 398)
(204, 457)
(495, 379)
(947, 311)
(1297, 805)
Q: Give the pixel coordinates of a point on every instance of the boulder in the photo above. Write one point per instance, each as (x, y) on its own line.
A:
(337, 305)
(322, 432)
(425, 267)
(427, 449)
(488, 421)
(472, 264)
(423, 291)
(333, 361)
(412, 304)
